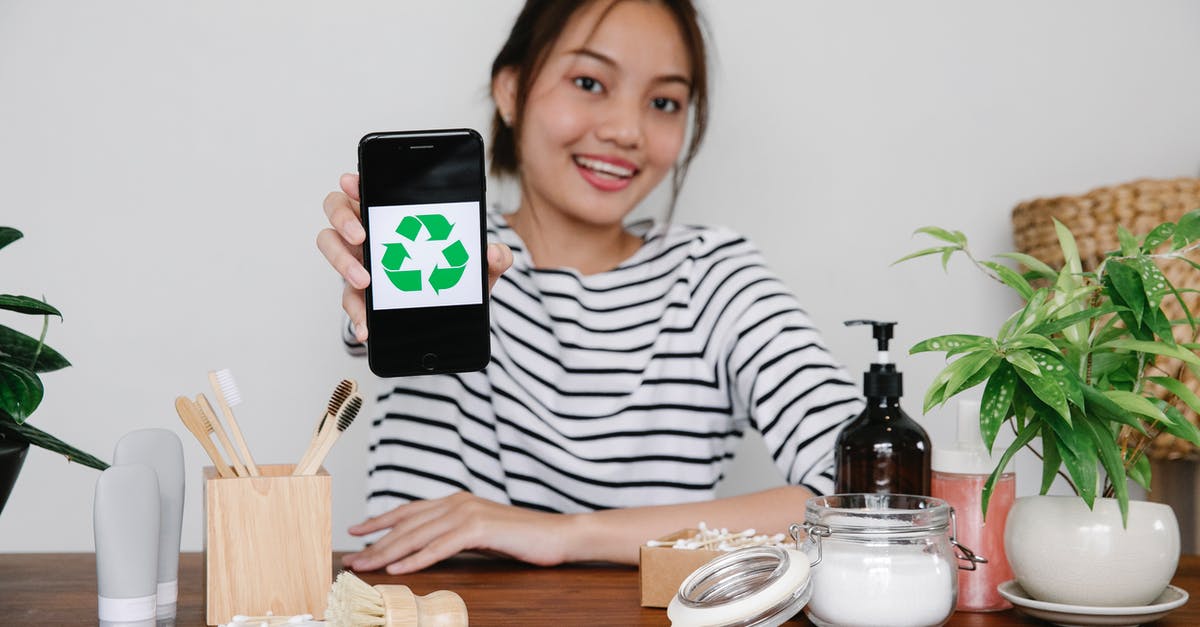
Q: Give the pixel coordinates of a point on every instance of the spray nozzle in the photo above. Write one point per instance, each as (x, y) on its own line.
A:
(881, 330)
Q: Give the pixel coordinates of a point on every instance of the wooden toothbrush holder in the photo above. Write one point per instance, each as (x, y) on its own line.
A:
(268, 545)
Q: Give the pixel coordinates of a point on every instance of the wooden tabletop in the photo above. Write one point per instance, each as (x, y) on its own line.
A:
(60, 589)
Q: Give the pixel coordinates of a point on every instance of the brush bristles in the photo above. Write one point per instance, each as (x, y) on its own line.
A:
(349, 412)
(228, 386)
(208, 428)
(353, 602)
(340, 394)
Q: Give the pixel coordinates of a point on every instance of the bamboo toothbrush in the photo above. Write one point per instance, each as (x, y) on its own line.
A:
(346, 415)
(196, 423)
(228, 397)
(342, 392)
(215, 425)
(355, 603)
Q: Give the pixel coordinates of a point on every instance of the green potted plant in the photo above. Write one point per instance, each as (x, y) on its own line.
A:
(1078, 375)
(22, 359)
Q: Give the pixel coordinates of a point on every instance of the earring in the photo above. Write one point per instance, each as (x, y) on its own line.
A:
(507, 119)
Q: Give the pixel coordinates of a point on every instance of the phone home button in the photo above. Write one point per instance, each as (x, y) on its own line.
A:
(429, 361)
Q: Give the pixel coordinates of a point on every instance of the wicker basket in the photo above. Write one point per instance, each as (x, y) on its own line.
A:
(1093, 218)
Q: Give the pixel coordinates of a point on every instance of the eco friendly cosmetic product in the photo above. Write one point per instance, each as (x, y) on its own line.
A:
(125, 522)
(882, 450)
(162, 451)
(882, 560)
(959, 474)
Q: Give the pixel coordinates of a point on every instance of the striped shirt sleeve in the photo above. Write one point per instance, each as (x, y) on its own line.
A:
(783, 377)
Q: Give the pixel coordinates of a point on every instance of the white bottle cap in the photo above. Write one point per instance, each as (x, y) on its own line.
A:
(968, 456)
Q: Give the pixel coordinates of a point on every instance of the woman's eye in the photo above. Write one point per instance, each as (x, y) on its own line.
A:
(665, 104)
(588, 84)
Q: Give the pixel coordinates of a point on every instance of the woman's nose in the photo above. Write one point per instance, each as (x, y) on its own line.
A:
(622, 125)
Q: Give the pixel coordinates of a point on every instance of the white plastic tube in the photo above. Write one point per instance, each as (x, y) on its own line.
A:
(125, 521)
(162, 451)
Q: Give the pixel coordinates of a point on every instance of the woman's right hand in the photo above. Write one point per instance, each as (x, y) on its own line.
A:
(342, 246)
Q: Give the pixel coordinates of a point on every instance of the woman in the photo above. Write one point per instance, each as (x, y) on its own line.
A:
(626, 363)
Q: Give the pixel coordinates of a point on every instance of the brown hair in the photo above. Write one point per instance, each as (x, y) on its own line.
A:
(533, 35)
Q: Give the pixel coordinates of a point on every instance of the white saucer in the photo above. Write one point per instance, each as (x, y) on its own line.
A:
(1082, 615)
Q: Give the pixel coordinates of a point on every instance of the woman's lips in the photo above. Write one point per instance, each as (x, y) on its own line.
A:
(605, 173)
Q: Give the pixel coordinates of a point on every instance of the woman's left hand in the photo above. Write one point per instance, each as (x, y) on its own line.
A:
(426, 532)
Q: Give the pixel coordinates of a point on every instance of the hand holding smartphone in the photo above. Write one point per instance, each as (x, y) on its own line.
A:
(422, 203)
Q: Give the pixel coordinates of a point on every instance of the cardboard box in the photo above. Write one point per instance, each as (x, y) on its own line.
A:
(661, 568)
(267, 543)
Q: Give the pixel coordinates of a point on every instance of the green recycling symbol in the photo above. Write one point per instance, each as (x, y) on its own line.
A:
(440, 278)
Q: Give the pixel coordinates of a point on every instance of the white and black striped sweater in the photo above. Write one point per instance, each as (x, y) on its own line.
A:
(626, 388)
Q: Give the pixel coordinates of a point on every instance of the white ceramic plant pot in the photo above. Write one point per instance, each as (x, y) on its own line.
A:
(1062, 552)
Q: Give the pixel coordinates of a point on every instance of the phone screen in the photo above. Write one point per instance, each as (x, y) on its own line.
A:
(422, 206)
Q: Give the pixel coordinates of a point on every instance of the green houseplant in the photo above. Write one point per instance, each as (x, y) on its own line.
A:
(1080, 370)
(22, 360)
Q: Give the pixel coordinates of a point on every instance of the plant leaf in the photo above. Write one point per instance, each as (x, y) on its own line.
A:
(1187, 312)
(9, 235)
(1157, 348)
(1051, 460)
(20, 391)
(1010, 277)
(1135, 403)
(1112, 460)
(949, 343)
(39, 438)
(18, 348)
(971, 367)
(1157, 236)
(1124, 286)
(956, 237)
(925, 252)
(1156, 285)
(1031, 340)
(1140, 472)
(1187, 230)
(1024, 436)
(27, 305)
(1035, 265)
(995, 403)
(1051, 327)
(1101, 406)
(1022, 360)
(1129, 245)
(1180, 391)
(1046, 387)
(1178, 424)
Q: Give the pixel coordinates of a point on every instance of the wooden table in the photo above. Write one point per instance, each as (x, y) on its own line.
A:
(60, 589)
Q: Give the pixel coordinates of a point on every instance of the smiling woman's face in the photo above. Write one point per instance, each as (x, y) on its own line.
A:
(606, 116)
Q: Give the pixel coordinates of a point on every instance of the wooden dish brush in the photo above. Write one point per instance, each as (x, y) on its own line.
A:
(355, 603)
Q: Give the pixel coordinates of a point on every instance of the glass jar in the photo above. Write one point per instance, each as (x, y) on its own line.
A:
(881, 560)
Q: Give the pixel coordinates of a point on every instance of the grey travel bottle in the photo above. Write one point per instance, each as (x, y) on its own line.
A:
(125, 521)
(161, 450)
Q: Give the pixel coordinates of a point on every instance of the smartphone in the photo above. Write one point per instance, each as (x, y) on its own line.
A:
(422, 208)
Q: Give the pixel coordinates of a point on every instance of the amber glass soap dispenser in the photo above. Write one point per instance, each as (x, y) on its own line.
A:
(883, 450)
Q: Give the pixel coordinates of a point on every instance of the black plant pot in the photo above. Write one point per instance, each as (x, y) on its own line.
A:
(12, 456)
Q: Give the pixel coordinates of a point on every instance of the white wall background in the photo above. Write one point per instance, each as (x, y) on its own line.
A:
(167, 162)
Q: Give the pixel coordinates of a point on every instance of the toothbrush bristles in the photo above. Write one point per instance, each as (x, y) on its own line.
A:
(350, 412)
(228, 387)
(208, 428)
(340, 394)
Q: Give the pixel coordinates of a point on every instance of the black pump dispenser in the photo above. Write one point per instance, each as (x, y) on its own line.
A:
(883, 450)
(882, 380)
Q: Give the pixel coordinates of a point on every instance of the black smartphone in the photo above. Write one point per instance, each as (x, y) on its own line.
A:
(422, 208)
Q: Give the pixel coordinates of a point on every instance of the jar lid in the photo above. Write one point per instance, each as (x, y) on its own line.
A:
(760, 586)
(877, 513)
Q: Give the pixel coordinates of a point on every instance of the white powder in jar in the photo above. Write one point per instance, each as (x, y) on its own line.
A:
(881, 585)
